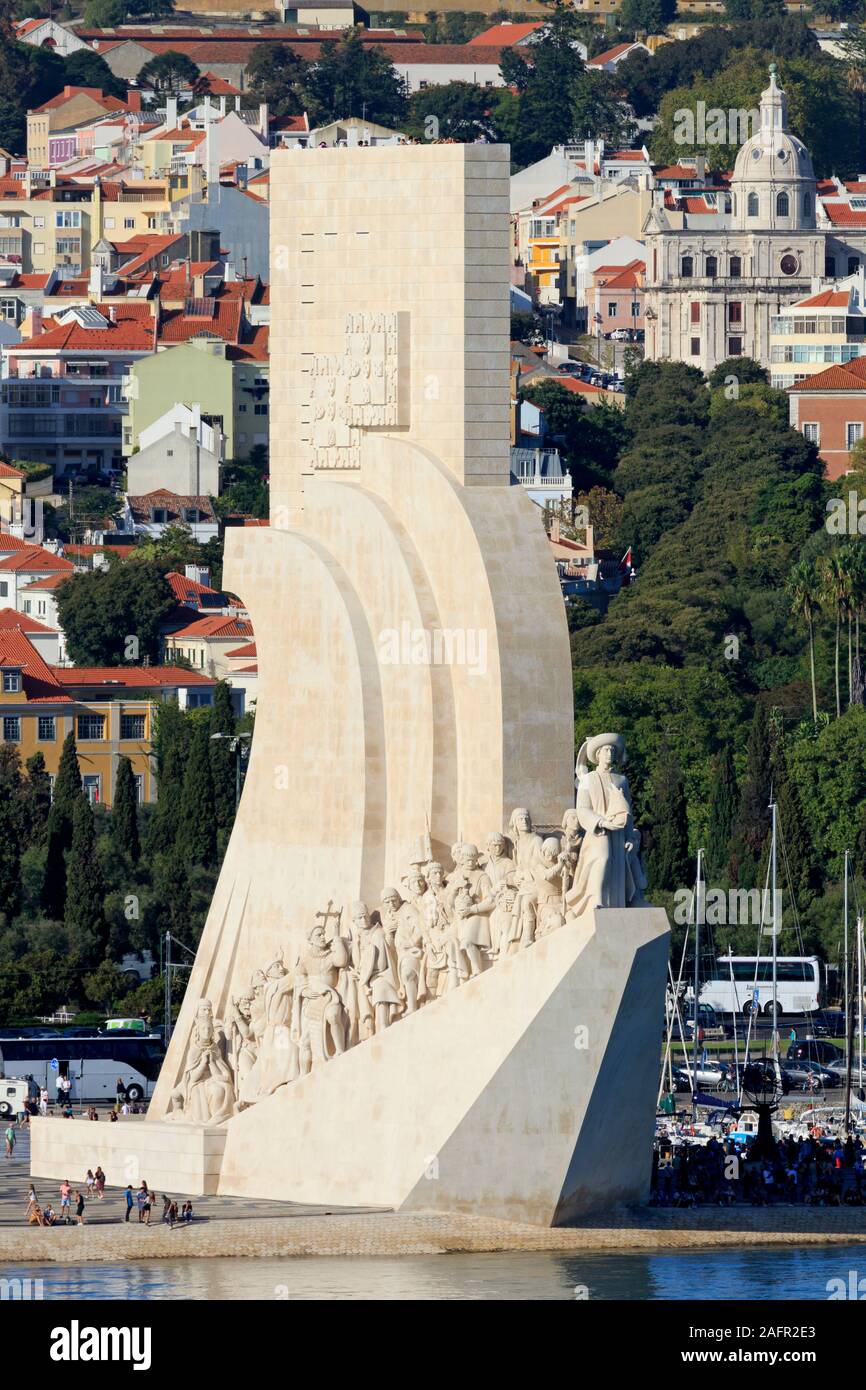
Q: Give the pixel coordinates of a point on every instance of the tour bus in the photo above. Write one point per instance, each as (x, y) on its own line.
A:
(93, 1065)
(744, 985)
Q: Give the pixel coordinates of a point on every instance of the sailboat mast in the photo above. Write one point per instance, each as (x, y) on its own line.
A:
(860, 998)
(776, 929)
(697, 984)
(845, 947)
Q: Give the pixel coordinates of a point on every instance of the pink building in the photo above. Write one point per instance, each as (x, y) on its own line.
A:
(619, 297)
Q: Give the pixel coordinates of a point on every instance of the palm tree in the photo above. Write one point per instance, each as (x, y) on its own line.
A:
(804, 589)
(837, 589)
(855, 554)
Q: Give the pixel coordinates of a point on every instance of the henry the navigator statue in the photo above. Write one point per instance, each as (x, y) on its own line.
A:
(609, 872)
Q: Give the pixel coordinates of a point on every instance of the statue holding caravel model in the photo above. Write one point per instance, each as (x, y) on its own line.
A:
(359, 971)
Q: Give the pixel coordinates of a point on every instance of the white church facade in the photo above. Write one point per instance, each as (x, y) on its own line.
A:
(717, 279)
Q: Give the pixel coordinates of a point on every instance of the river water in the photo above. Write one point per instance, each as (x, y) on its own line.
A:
(710, 1274)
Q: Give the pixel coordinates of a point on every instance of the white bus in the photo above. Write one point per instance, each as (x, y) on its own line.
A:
(93, 1065)
(744, 985)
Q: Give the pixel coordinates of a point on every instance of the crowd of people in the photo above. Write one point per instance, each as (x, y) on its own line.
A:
(73, 1203)
(816, 1170)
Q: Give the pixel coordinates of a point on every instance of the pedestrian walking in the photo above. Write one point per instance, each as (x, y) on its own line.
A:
(99, 1184)
(120, 1090)
(89, 1181)
(130, 1200)
(43, 1101)
(10, 1141)
(65, 1199)
(32, 1201)
(141, 1198)
(79, 1208)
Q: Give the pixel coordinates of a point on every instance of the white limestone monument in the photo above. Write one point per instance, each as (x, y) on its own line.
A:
(428, 980)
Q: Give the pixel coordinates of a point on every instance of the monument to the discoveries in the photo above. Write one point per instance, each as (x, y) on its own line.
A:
(404, 994)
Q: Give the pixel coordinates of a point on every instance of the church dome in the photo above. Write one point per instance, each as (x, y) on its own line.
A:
(773, 184)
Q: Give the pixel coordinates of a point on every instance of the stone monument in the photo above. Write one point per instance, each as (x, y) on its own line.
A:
(428, 979)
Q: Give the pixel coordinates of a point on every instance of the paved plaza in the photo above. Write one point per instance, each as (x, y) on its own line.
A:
(237, 1226)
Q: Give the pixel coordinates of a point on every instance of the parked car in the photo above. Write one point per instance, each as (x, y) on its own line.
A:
(708, 1075)
(808, 1075)
(570, 367)
(621, 335)
(816, 1050)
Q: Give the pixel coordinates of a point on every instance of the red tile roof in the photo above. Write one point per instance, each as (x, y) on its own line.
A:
(132, 677)
(248, 649)
(37, 677)
(11, 620)
(187, 590)
(218, 628)
(7, 471)
(171, 502)
(70, 93)
(575, 385)
(841, 215)
(254, 348)
(601, 58)
(131, 329)
(221, 317)
(851, 377)
(35, 560)
(505, 35)
(51, 581)
(10, 542)
(827, 299)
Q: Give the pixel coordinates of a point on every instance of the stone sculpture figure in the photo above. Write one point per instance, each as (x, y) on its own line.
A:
(547, 875)
(318, 1016)
(404, 929)
(206, 1093)
(472, 900)
(609, 870)
(244, 1048)
(377, 974)
(438, 943)
(277, 1062)
(527, 851)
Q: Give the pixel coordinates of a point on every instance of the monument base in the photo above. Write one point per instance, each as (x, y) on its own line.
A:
(527, 1094)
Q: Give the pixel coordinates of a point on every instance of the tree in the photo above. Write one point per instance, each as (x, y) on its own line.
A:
(88, 69)
(753, 819)
(545, 117)
(647, 16)
(112, 616)
(723, 813)
(124, 813)
(667, 854)
(170, 747)
(105, 14)
(742, 370)
(836, 591)
(276, 75)
(197, 839)
(37, 799)
(10, 832)
(169, 73)
(804, 589)
(222, 758)
(84, 916)
(351, 79)
(454, 111)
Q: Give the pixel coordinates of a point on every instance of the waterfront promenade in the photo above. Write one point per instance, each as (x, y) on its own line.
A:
(237, 1227)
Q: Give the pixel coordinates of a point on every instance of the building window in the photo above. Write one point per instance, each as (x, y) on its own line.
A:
(735, 312)
(696, 347)
(4, 588)
(736, 267)
(129, 223)
(91, 727)
(853, 265)
(752, 205)
(635, 312)
(694, 312)
(687, 267)
(830, 267)
(812, 432)
(67, 219)
(91, 782)
(735, 347)
(611, 313)
(12, 729)
(783, 207)
(138, 779)
(11, 682)
(263, 409)
(132, 726)
(712, 267)
(853, 432)
(807, 205)
(46, 733)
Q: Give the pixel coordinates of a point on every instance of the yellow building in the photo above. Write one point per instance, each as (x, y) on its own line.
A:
(55, 222)
(825, 329)
(111, 711)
